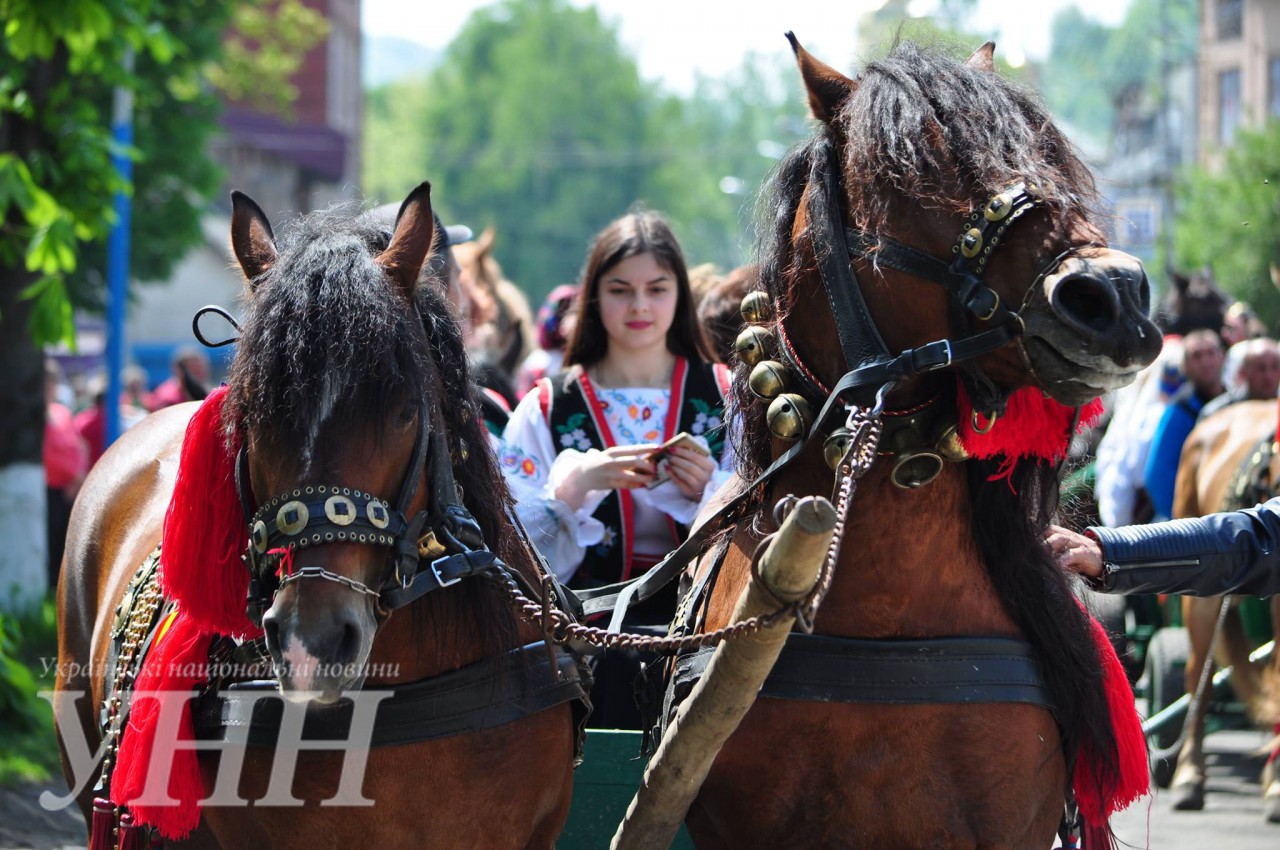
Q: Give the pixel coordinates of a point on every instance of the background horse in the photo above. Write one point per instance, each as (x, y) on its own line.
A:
(1218, 472)
(919, 145)
(1194, 301)
(504, 330)
(335, 382)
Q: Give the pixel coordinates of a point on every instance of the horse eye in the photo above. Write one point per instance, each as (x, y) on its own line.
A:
(407, 414)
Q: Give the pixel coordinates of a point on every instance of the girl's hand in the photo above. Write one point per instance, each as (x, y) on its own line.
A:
(690, 471)
(617, 468)
(1074, 552)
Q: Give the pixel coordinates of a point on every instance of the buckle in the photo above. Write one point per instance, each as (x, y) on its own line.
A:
(435, 571)
(932, 356)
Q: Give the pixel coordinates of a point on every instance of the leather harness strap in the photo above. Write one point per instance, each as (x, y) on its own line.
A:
(483, 695)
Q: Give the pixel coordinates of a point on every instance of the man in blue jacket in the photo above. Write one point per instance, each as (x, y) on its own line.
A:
(1202, 365)
(1233, 552)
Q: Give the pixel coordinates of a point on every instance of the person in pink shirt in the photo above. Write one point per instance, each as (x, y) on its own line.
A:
(66, 462)
(189, 382)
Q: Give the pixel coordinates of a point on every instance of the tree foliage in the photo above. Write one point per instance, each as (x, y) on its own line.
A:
(537, 121)
(1229, 220)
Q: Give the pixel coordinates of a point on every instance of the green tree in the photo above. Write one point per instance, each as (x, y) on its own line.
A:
(1229, 220)
(59, 65)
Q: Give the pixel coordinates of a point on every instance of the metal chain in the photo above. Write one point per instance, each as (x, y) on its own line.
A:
(865, 427)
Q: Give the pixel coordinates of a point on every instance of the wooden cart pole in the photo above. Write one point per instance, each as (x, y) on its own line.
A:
(729, 686)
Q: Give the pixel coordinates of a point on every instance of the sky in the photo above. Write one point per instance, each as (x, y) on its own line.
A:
(674, 40)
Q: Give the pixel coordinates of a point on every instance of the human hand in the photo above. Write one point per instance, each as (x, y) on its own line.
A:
(690, 470)
(616, 468)
(1074, 552)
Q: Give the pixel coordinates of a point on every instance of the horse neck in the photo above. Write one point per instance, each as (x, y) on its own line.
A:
(909, 563)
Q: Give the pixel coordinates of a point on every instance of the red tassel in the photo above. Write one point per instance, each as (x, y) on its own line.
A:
(1131, 781)
(176, 665)
(102, 827)
(1032, 426)
(204, 529)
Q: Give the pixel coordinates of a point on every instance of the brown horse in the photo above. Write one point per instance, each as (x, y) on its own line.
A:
(1216, 473)
(347, 375)
(918, 151)
(504, 322)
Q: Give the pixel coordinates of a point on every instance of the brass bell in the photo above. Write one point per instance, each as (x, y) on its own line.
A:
(756, 307)
(789, 416)
(836, 446)
(915, 469)
(768, 379)
(948, 444)
(971, 243)
(752, 345)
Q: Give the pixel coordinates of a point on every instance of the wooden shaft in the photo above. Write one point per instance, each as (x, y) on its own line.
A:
(729, 686)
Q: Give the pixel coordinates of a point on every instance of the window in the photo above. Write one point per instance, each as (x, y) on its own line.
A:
(1229, 16)
(1273, 88)
(1228, 105)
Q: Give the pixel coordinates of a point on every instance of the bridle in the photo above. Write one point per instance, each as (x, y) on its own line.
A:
(869, 362)
(445, 535)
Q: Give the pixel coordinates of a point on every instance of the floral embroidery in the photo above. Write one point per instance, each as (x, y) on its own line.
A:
(513, 458)
(635, 415)
(572, 434)
(709, 423)
(606, 542)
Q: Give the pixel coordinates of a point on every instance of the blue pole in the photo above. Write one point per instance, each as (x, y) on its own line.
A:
(118, 255)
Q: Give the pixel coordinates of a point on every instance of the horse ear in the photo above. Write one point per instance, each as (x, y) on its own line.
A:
(412, 241)
(984, 58)
(484, 245)
(251, 238)
(827, 87)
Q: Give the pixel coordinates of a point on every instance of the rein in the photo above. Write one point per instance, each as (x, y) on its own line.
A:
(872, 369)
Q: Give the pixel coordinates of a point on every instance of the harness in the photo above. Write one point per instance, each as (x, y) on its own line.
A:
(849, 423)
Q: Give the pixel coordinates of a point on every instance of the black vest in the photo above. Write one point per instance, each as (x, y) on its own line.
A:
(569, 405)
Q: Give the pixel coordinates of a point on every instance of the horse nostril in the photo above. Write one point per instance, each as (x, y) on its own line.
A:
(348, 644)
(1087, 301)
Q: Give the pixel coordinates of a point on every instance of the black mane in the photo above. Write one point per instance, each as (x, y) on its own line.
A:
(328, 336)
(991, 135)
(922, 126)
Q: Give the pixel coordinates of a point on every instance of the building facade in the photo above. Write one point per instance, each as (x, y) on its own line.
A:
(1239, 71)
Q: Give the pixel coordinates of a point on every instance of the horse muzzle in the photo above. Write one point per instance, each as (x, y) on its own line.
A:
(320, 653)
(1086, 325)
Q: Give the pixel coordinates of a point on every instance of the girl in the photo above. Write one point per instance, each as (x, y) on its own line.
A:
(578, 448)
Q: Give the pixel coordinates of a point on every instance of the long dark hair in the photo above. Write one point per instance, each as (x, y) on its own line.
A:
(640, 232)
(989, 134)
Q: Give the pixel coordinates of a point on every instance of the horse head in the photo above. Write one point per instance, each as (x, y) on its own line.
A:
(1194, 301)
(965, 210)
(339, 401)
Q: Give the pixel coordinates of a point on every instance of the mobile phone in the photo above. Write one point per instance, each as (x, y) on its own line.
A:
(684, 440)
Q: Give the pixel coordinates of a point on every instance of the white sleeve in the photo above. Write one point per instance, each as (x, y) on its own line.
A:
(528, 459)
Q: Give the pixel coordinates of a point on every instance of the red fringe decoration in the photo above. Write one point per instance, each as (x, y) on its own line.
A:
(1131, 781)
(176, 666)
(204, 528)
(201, 570)
(1032, 426)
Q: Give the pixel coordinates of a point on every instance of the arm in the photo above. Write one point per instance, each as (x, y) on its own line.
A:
(1235, 552)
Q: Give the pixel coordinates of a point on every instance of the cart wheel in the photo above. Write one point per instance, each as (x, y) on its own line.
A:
(1166, 682)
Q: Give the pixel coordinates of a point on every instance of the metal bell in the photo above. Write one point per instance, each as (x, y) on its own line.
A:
(756, 307)
(768, 379)
(752, 345)
(949, 446)
(789, 416)
(915, 469)
(836, 446)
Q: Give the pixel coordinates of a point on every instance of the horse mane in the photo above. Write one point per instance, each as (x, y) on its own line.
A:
(921, 126)
(328, 336)
(910, 96)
